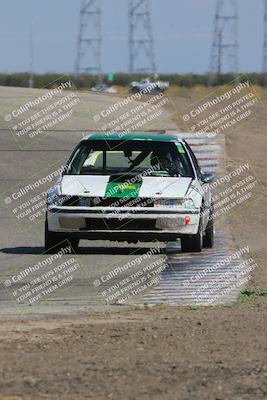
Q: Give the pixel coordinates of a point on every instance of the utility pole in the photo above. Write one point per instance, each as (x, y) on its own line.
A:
(265, 45)
(31, 78)
(219, 56)
(89, 39)
(141, 43)
(225, 44)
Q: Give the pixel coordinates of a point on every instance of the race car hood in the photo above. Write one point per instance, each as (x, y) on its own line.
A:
(101, 186)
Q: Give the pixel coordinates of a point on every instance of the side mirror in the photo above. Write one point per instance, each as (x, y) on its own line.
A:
(208, 177)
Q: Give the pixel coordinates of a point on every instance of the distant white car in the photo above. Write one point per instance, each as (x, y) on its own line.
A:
(131, 187)
(149, 86)
(103, 88)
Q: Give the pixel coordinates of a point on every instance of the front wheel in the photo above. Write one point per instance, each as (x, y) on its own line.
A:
(135, 90)
(193, 243)
(208, 240)
(54, 243)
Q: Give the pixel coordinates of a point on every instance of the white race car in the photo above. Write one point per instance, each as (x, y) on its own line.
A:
(131, 187)
(149, 86)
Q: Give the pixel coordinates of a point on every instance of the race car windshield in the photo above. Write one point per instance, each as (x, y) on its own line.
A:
(132, 157)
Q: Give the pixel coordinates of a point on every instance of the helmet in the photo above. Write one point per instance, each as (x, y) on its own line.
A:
(163, 158)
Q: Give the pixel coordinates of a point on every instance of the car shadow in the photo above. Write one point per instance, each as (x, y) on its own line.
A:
(83, 250)
(22, 250)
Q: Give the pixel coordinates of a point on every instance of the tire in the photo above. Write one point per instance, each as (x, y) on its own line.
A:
(51, 240)
(135, 90)
(54, 243)
(74, 244)
(208, 239)
(193, 243)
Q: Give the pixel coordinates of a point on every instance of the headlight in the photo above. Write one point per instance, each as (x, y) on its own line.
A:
(167, 203)
(188, 204)
(54, 198)
(175, 203)
(53, 195)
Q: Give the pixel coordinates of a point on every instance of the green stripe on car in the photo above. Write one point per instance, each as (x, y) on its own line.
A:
(123, 189)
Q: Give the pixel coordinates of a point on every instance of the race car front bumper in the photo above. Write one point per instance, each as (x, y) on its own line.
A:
(109, 222)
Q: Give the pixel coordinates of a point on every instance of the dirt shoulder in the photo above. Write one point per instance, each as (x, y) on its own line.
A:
(164, 353)
(249, 224)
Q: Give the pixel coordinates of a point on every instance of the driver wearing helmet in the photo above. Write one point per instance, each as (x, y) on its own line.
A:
(164, 161)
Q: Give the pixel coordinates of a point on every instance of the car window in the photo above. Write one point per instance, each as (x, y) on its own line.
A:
(114, 159)
(117, 159)
(183, 161)
(131, 157)
(195, 161)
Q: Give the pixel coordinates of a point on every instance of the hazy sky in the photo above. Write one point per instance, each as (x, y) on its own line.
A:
(182, 31)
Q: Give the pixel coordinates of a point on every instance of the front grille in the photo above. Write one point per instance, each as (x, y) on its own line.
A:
(74, 201)
(71, 201)
(121, 202)
(124, 224)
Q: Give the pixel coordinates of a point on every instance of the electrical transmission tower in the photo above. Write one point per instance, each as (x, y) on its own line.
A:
(89, 39)
(265, 44)
(225, 45)
(141, 44)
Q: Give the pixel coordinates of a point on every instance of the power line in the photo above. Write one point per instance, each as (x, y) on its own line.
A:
(265, 44)
(89, 39)
(140, 37)
(225, 44)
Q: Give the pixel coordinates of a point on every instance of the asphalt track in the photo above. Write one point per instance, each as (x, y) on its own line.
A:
(22, 243)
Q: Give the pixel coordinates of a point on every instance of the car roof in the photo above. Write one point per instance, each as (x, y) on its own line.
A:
(144, 136)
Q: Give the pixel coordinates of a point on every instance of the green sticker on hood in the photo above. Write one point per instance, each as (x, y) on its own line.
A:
(123, 189)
